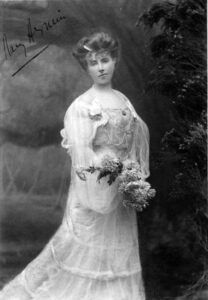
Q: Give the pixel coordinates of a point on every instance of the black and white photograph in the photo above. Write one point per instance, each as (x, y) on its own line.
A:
(103, 150)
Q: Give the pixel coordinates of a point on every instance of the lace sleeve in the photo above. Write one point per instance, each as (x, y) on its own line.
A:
(141, 140)
(78, 132)
(141, 146)
(80, 125)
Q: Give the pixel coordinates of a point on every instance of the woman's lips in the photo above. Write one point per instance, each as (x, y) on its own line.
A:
(103, 75)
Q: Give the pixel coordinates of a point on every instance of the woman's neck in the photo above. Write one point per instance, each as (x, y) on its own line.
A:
(102, 88)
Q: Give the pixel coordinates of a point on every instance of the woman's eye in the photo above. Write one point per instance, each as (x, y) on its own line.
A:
(93, 63)
(105, 60)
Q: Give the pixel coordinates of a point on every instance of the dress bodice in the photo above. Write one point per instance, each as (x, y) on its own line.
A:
(94, 255)
(116, 133)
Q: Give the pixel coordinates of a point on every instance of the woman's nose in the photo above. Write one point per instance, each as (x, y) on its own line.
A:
(100, 67)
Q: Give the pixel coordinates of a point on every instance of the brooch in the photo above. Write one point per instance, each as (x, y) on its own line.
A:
(95, 112)
(96, 117)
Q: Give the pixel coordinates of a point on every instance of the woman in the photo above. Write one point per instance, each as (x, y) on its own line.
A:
(94, 255)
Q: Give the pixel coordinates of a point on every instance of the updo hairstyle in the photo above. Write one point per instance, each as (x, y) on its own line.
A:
(96, 42)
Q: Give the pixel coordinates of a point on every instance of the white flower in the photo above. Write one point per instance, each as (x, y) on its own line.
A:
(137, 192)
(95, 112)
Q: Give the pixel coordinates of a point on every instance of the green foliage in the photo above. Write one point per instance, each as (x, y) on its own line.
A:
(179, 53)
(179, 73)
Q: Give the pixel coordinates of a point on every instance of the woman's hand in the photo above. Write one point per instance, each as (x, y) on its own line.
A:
(80, 173)
(126, 162)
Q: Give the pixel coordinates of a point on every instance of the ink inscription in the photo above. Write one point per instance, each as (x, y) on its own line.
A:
(32, 32)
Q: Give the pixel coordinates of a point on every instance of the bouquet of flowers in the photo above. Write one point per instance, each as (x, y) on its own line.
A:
(136, 191)
(109, 166)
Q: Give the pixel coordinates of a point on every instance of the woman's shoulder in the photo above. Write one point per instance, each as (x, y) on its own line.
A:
(84, 99)
(120, 94)
(131, 107)
(81, 103)
(126, 100)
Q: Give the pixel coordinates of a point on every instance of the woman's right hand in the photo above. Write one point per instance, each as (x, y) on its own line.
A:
(80, 173)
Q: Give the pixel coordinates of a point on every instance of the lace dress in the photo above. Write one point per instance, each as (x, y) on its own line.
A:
(94, 255)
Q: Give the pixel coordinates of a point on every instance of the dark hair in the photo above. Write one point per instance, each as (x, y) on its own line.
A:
(98, 41)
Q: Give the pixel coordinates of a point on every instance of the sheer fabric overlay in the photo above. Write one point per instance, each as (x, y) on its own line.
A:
(94, 255)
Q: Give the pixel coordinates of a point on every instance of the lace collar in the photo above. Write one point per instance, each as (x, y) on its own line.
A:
(97, 107)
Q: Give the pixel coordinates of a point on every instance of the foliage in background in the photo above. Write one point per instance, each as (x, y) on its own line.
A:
(44, 89)
(179, 73)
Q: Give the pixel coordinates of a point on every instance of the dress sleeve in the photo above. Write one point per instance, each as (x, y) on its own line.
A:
(140, 147)
(80, 125)
(141, 140)
(78, 133)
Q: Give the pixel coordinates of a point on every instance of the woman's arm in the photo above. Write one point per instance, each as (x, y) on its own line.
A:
(141, 140)
(80, 125)
(78, 134)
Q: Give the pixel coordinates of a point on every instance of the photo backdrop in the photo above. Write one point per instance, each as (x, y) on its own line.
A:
(34, 169)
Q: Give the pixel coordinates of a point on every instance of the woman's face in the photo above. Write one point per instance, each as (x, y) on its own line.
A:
(100, 67)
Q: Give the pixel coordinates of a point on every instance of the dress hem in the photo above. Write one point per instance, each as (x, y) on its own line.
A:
(93, 275)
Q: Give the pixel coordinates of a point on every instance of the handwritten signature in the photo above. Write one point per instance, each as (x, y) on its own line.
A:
(10, 49)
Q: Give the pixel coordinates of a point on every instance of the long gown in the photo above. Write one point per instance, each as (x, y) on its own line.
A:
(94, 255)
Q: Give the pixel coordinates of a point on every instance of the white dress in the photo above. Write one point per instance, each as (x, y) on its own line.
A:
(94, 255)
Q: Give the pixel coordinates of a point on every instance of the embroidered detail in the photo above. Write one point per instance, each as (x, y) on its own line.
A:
(80, 173)
(64, 142)
(105, 275)
(95, 112)
(96, 117)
